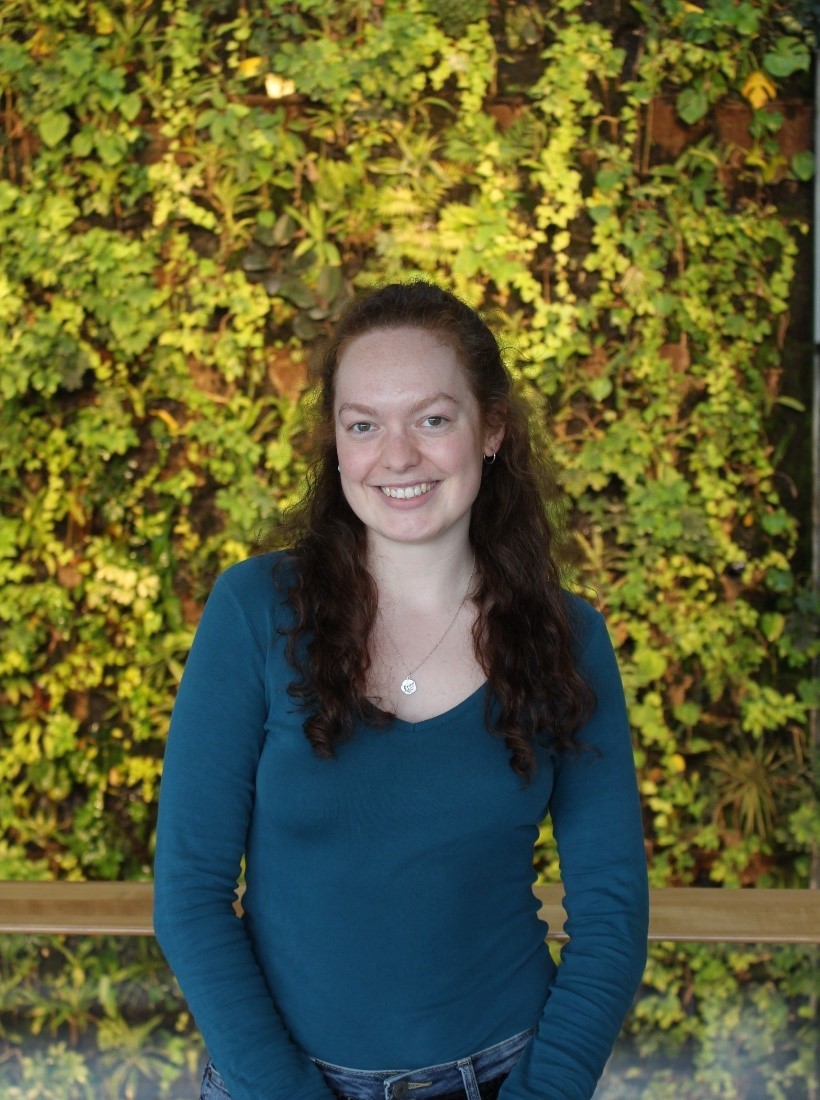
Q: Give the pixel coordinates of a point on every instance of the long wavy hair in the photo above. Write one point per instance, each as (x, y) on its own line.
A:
(523, 636)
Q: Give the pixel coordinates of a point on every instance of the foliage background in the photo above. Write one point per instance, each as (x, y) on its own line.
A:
(188, 195)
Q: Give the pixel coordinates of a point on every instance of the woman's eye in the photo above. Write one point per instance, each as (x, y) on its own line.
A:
(361, 427)
(435, 421)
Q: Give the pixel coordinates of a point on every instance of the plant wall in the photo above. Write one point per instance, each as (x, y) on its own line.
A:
(190, 193)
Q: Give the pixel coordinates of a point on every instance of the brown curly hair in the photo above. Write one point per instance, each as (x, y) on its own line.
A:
(523, 635)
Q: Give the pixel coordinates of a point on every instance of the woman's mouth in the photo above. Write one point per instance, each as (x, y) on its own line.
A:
(406, 492)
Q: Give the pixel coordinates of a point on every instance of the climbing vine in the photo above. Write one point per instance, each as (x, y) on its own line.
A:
(188, 196)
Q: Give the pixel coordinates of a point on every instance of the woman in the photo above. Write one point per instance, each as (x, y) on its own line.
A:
(378, 720)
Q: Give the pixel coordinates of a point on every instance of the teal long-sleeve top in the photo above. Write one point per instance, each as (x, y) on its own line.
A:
(389, 919)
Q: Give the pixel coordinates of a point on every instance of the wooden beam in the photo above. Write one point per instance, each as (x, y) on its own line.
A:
(693, 914)
(77, 908)
(682, 914)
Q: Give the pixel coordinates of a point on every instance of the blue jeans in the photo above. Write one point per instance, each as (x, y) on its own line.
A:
(478, 1077)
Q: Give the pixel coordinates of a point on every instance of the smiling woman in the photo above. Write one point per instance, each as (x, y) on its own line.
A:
(383, 713)
(411, 470)
(410, 473)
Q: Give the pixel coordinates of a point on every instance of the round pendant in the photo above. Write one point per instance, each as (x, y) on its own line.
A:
(408, 686)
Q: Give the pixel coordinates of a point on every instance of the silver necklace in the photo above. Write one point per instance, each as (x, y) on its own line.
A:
(408, 684)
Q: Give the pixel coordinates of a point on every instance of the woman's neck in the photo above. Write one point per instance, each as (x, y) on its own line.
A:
(421, 577)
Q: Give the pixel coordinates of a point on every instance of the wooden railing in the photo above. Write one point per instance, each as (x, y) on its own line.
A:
(682, 914)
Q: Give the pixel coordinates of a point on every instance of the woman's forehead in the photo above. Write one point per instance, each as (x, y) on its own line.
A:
(400, 359)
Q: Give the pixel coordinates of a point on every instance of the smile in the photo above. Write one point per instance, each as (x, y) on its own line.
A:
(405, 492)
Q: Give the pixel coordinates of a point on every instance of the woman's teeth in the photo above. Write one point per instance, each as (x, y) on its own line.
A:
(407, 491)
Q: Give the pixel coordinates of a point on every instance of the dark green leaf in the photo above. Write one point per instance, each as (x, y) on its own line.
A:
(789, 55)
(284, 229)
(329, 283)
(296, 291)
(803, 165)
(692, 105)
(256, 259)
(304, 328)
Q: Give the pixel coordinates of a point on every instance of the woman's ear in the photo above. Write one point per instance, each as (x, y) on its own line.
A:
(493, 432)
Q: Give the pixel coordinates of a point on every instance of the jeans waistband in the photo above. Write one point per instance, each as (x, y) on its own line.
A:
(463, 1074)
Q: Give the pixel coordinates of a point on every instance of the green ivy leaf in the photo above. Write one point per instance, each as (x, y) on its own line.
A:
(8, 196)
(692, 105)
(772, 623)
(809, 692)
(789, 55)
(53, 127)
(111, 147)
(13, 58)
(776, 523)
(687, 714)
(83, 142)
(649, 664)
(608, 179)
(779, 580)
(747, 19)
(803, 165)
(130, 106)
(600, 388)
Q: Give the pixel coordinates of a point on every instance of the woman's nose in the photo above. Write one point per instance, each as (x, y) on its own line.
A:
(400, 451)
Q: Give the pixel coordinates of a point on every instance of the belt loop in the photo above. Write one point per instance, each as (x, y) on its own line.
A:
(396, 1090)
(469, 1079)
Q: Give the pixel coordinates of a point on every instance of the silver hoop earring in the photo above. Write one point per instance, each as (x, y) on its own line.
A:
(490, 459)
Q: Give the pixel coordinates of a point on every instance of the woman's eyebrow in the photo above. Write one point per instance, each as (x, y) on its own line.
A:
(366, 410)
(434, 400)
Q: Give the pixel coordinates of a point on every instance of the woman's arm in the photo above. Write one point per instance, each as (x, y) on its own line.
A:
(597, 825)
(206, 801)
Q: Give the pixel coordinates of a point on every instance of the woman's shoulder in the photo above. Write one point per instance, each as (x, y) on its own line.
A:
(259, 585)
(585, 621)
(592, 645)
(261, 570)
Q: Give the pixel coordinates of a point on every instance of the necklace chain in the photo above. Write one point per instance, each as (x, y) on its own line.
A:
(408, 684)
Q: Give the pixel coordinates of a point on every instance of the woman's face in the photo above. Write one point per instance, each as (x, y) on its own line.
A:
(409, 436)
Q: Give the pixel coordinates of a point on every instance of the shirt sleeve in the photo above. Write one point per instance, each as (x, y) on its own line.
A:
(206, 800)
(596, 818)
